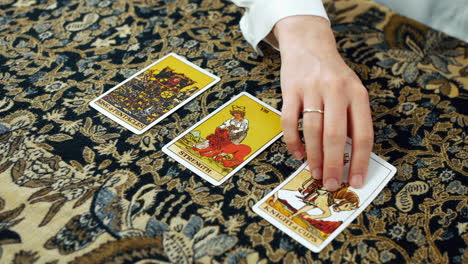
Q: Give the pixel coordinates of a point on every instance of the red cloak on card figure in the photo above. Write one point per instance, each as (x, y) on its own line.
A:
(219, 143)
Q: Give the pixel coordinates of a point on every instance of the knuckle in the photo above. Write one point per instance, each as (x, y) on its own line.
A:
(288, 121)
(292, 84)
(334, 135)
(291, 141)
(335, 89)
(314, 159)
(354, 79)
(365, 139)
(312, 127)
(343, 80)
(310, 78)
(351, 77)
(362, 92)
(305, 80)
(365, 145)
(333, 166)
(360, 163)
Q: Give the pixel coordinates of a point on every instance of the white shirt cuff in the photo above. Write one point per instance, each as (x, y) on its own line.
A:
(261, 16)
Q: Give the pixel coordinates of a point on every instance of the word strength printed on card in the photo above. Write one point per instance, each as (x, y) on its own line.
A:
(153, 93)
(302, 208)
(223, 142)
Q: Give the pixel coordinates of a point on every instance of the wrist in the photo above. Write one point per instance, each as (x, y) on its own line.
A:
(305, 33)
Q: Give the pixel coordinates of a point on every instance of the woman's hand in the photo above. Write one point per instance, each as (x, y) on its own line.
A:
(313, 75)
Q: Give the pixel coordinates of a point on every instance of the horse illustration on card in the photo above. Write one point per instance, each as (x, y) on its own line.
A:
(305, 204)
(306, 211)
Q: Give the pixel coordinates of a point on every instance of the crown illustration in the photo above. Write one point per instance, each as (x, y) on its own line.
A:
(238, 108)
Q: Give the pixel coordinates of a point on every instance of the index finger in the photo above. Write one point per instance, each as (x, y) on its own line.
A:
(289, 122)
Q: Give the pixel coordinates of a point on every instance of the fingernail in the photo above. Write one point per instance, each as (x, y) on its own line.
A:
(331, 184)
(298, 155)
(317, 173)
(356, 181)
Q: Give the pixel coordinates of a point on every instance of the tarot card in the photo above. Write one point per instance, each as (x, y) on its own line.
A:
(302, 208)
(223, 142)
(153, 93)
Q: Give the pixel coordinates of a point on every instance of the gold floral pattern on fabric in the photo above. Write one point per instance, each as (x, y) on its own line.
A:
(78, 188)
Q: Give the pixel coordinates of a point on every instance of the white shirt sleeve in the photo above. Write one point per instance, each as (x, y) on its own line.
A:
(261, 15)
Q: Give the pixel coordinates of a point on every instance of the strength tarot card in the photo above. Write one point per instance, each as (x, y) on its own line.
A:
(223, 142)
(302, 208)
(153, 93)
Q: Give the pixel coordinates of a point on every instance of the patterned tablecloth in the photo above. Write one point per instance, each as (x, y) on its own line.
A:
(76, 187)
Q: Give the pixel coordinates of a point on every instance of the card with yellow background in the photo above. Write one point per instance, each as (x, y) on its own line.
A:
(223, 142)
(152, 94)
(302, 207)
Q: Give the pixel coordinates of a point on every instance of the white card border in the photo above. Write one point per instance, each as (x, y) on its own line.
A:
(136, 131)
(240, 166)
(349, 220)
